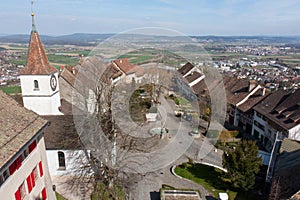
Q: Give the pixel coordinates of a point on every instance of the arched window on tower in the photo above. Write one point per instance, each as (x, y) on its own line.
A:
(36, 85)
(61, 160)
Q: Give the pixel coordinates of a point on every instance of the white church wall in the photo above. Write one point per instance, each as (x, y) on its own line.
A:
(72, 162)
(27, 84)
(42, 99)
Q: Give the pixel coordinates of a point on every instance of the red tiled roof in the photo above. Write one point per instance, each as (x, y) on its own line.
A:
(37, 61)
(124, 65)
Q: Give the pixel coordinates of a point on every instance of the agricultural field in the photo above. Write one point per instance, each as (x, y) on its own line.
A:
(143, 56)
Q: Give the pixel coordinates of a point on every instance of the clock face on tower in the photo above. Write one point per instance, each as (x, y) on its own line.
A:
(53, 82)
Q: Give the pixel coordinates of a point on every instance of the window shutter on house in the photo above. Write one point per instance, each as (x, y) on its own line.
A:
(41, 168)
(18, 195)
(44, 194)
(29, 185)
(32, 179)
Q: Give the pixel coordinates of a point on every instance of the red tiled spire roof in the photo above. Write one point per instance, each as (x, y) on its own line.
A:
(37, 61)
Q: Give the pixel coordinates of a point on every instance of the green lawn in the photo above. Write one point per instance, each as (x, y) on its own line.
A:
(18, 62)
(83, 52)
(183, 101)
(11, 89)
(62, 59)
(211, 179)
(207, 176)
(140, 58)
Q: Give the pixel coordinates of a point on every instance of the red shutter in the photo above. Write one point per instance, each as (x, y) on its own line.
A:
(32, 179)
(12, 168)
(18, 195)
(41, 168)
(44, 194)
(15, 165)
(29, 183)
(32, 146)
(19, 162)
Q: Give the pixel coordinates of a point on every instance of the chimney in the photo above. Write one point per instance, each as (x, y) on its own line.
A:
(252, 84)
(62, 67)
(121, 61)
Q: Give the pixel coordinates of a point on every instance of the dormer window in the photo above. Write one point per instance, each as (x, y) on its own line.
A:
(36, 85)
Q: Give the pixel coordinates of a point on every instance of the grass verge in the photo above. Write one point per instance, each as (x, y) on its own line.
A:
(207, 176)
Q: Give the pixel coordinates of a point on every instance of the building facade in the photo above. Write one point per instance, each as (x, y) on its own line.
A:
(278, 113)
(24, 173)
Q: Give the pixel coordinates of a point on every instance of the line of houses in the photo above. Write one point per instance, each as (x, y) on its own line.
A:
(272, 118)
(250, 107)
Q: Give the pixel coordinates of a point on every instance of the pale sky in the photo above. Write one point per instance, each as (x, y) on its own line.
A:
(190, 17)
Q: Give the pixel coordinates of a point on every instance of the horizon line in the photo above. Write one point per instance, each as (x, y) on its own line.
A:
(188, 35)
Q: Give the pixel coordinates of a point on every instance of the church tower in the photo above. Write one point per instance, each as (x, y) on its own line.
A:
(39, 80)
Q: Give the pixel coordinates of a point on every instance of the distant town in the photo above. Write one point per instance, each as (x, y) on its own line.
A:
(272, 61)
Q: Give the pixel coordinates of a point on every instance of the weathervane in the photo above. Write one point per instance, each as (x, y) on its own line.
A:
(32, 15)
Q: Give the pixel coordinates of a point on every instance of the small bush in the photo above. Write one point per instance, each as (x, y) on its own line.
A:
(184, 165)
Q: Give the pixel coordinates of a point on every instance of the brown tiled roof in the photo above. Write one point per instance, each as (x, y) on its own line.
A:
(68, 76)
(17, 126)
(89, 71)
(124, 65)
(68, 108)
(253, 100)
(200, 88)
(185, 68)
(282, 108)
(193, 76)
(111, 72)
(61, 133)
(236, 89)
(37, 61)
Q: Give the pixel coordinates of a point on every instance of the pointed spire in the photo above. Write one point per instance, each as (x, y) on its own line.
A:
(37, 61)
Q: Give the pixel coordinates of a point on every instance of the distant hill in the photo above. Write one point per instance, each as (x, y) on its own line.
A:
(252, 39)
(82, 39)
(85, 39)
